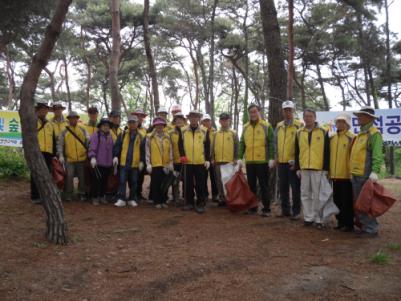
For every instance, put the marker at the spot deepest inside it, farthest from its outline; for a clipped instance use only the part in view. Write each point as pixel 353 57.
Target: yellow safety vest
pixel 311 155
pixel 256 139
pixel 90 129
pixel 59 126
pixel 114 133
pixel 159 152
pixel 174 136
pixel 224 146
pixel 142 131
pixel 359 151
pixel 340 146
pixel 45 136
pixel 285 135
pixel 73 149
pixel 136 151
pixel 194 145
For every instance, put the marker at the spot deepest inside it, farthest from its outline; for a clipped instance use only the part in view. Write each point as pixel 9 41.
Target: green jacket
pixel 375 143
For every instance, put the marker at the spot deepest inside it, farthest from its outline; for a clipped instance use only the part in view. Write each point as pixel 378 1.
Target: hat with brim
pixel 93 110
pixel 73 114
pixel 288 104
pixel 178 115
pixel 344 116
pixel 224 116
pixel 133 118
pixel 162 110
pixel 41 104
pixel 206 117
pixel 58 105
pixel 104 121
pixel 194 113
pixel 159 121
pixel 139 112
pixel 115 114
pixel 366 111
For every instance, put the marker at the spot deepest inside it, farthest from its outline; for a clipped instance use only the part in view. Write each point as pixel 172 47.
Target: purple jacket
pixel 102 150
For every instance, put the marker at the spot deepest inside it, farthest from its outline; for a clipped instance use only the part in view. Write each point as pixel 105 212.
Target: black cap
pixel 224 116
pixel 115 114
pixel 92 110
pixel 103 121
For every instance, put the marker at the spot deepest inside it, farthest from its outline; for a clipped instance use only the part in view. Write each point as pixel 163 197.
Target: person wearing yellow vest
pixel 175 109
pixel 196 162
pixel 178 152
pixel 115 119
pixel 58 121
pixel 312 159
pixel 365 163
pixel 91 125
pixel 128 153
pixel 47 143
pixel 285 134
pixel 257 148
pixel 72 149
pixel 159 161
pixel 224 150
pixel 340 174
pixel 206 122
pixel 142 130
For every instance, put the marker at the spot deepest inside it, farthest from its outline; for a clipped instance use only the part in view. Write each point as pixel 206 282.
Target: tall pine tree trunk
pixel 56 227
pixel 115 56
pixel 290 71
pixel 211 60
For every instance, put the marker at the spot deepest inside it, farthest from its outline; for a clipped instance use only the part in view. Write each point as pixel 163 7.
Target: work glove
pixel 93 162
pixel 272 163
pixel 61 159
pixel 140 166
pixel 291 164
pixel 115 161
pixel 238 166
pixel 184 159
pixel 373 177
pixel 171 167
pixel 298 173
pixel 207 165
pixel 149 169
pixel 166 170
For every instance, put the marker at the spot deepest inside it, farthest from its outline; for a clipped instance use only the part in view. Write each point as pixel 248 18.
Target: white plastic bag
pixel 227 172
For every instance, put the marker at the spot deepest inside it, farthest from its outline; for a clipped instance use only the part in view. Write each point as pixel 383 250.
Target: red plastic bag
pixel 374 199
pixel 58 173
pixel 239 195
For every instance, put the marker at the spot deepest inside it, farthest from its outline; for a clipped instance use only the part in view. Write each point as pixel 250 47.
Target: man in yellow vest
pixel 91 125
pixel 340 146
pixel 196 162
pixel 115 119
pixel 365 163
pixel 206 122
pixel 72 149
pixel 142 130
pixel 128 153
pixel 178 152
pixel 159 161
pixel 257 148
pixel 312 159
pixel 58 121
pixel 47 143
pixel 285 133
pixel 224 151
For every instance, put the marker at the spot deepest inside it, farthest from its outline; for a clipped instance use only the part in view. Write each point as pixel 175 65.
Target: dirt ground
pixel 148 254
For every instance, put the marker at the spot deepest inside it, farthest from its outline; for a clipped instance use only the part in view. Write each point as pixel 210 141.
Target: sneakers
pixel 320 226
pixel 199 209
pixel 103 200
pixel 164 206
pixel 187 207
pixel 364 234
pixel 95 201
pixel 215 199
pixel 132 203
pixel 120 203
pixel 265 213
pixel 158 206
pixel 295 217
pixel 308 224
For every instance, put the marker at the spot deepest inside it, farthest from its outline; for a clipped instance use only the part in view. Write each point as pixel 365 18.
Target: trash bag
pixel 167 182
pixel 112 183
pixel 227 171
pixel 58 173
pixel 327 207
pixel 239 195
pixel 374 199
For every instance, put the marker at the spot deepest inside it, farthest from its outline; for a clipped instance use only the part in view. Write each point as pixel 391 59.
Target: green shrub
pixel 12 163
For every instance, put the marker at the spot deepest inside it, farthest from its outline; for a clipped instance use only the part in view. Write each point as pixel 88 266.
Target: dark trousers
pixel 176 185
pixel 156 179
pixel 212 174
pixel 141 178
pixel 342 195
pixel 99 181
pixel 287 178
pixel 34 189
pixel 194 178
pixel 131 175
pixel 258 173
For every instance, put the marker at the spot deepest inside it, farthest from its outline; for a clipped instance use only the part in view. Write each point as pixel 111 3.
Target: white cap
pixel 344 116
pixel 162 110
pixel 288 104
pixel 175 108
pixel 206 117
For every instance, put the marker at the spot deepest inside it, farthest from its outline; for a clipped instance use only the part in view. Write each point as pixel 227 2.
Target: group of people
pixel 189 150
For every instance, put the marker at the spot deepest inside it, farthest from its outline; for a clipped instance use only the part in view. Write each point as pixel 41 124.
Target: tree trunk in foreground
pixel 56 227
pixel 115 56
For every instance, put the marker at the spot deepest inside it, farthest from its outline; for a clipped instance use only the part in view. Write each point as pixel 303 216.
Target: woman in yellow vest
pixel 224 151
pixel 365 162
pixel 312 158
pixel 159 160
pixel 72 149
pixel 340 174
pixel 58 121
pixel 47 143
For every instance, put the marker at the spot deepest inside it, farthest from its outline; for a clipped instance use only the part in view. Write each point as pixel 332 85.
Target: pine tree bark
pixel 149 56
pixel 290 71
pixel 115 56
pixel 56 226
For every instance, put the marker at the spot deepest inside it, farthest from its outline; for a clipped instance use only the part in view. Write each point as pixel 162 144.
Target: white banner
pixel 388 122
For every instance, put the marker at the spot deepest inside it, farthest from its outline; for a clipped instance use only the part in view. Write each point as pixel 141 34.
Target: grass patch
pixel 380 257
pixel 40 245
pixel 393 246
